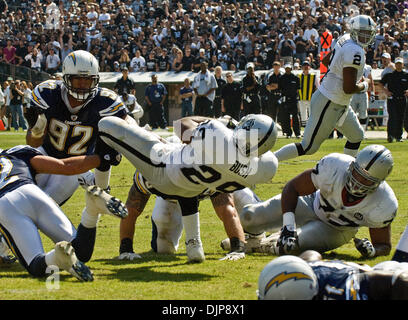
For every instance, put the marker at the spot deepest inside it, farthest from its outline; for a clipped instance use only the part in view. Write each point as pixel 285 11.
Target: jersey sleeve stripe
pixel 112 109
pixel 38 101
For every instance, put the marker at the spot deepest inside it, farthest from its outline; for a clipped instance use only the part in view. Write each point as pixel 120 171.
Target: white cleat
pixel 100 201
pixel 252 242
pixel 68 261
pixel 195 251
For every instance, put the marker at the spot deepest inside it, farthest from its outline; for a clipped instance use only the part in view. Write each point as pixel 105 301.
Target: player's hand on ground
pixel 365 247
pixel 288 241
pixel 129 256
pixel 233 256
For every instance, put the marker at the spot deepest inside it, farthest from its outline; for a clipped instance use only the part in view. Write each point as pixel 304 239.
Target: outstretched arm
pixel 68 166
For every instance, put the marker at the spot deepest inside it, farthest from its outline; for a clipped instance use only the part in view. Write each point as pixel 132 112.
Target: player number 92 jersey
pixel 346 53
pixel 71 133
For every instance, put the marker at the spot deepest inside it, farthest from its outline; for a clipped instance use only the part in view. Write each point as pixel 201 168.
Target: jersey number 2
pixel 5 169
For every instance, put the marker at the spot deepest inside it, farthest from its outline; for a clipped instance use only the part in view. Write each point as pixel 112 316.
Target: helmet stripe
pixel 374 159
pixel 266 135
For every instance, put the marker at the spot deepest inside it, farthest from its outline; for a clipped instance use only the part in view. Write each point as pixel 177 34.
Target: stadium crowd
pixel 169 35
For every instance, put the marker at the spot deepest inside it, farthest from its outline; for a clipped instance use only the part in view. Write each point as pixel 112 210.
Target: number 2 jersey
pixel 375 210
pixel 346 53
pixel 15 168
pixel 72 132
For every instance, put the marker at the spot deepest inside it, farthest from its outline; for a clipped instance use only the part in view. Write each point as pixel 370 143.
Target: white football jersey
pixel 346 53
pixel 376 210
pixel 210 162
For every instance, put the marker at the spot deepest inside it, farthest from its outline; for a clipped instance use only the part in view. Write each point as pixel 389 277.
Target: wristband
pixel 289 220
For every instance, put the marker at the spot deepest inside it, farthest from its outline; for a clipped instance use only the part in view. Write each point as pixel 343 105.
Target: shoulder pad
pixel 43 94
pixel 109 103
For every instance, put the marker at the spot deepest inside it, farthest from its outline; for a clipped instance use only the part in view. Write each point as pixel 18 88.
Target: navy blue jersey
pixel 338 281
pixel 15 168
pixel 72 132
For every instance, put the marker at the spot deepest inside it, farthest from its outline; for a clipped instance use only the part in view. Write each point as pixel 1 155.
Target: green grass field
pixel 170 277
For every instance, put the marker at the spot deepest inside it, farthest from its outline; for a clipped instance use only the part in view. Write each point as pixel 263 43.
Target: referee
pixel 395 85
pixel 307 87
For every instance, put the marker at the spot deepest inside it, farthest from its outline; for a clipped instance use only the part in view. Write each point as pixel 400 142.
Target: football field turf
pixel 170 277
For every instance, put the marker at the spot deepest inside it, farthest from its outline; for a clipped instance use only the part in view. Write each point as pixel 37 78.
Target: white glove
pixel 128 256
pixel 39 128
pixel 233 256
pixel 365 247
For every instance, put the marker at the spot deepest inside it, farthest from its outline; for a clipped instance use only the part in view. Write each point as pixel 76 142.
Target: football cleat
pixel 195 251
pixel 68 261
pixel 252 242
pixel 130 256
pixel 99 201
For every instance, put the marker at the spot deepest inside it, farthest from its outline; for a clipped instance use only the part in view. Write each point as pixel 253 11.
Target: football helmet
pixel 373 163
pixel 287 278
pixel 80 64
pixel 255 134
pixel 362 30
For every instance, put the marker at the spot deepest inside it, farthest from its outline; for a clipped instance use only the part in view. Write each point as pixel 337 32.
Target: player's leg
pixel 323 118
pixel 135 204
pixel 19 224
pixel 167 226
pixel 363 111
pixel 353 131
pixel 139 146
pixel 401 251
pixel 58 187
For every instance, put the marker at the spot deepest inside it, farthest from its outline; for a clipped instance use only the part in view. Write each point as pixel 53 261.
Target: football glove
pixel 233 256
pixel 365 247
pixel 372 98
pixel 109 156
pixel 288 240
pixel 130 256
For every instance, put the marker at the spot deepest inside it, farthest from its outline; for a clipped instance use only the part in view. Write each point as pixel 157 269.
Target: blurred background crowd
pixel 165 35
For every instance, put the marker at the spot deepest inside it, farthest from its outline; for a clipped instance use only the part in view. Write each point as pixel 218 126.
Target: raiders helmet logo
pixel 74 117
pixel 358 216
pixel 248 124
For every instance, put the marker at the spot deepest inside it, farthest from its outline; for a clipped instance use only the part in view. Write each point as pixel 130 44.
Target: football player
pixel 63 119
pixel 329 203
pixel 330 104
pixel 293 278
pixel 25 209
pixel 212 159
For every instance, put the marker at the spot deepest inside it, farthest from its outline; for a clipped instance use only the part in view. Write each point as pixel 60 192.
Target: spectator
pixel 155 94
pixel 204 86
pixel 7 110
pixel 198 61
pixel 250 89
pixel 151 62
pixel 124 83
pixel 187 61
pixel 2 106
pixel 138 63
pixel 240 60
pixel 26 88
pixel 16 106
pixel 220 84
pixel 9 53
pixel 177 64
pixel 163 63
pixel 257 59
pixel 124 60
pixel 35 59
pixel 186 94
pixel 231 98
pixel 53 62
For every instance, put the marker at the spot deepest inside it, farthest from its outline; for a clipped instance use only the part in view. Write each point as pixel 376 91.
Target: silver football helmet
pixel 362 30
pixel 372 166
pixel 255 134
pixel 80 64
pixel 287 278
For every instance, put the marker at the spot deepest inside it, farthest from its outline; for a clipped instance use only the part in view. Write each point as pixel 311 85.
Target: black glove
pixel 109 156
pixel 372 98
pixel 365 247
pixel 288 241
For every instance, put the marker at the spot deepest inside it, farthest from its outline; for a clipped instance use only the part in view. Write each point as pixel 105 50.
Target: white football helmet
pixel 255 134
pixel 373 163
pixel 287 278
pixel 362 30
pixel 81 64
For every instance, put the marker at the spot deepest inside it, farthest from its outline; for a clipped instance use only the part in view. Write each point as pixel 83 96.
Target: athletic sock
pixel 192 226
pixel 287 152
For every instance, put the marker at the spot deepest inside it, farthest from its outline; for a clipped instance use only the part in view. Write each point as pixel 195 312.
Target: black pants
pixel 217 107
pixel 233 109
pixel 272 107
pixel 288 109
pixel 253 107
pixel 203 107
pixel 396 107
pixel 156 114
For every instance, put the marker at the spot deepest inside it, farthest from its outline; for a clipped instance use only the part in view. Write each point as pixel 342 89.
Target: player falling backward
pixel 25 209
pixel 330 104
pixel 213 159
